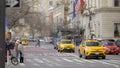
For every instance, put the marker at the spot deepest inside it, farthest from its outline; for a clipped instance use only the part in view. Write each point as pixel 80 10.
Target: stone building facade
pixel 105 20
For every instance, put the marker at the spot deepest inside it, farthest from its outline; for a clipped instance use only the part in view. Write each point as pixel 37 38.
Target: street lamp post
pixel 90 21
pixel 2 35
pixel 90 13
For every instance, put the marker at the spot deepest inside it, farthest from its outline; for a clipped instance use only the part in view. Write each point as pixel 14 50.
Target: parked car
pixel 91 48
pixel 66 45
pixel 24 41
pixel 111 47
pixel 118 43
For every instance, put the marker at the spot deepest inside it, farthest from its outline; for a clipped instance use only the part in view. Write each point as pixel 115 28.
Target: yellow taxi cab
pixel 91 48
pixel 66 45
pixel 24 41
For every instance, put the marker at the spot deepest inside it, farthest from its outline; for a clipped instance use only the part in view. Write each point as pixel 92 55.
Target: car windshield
pixel 66 42
pixel 92 43
pixel 109 43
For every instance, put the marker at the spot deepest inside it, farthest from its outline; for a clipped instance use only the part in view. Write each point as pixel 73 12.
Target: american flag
pixel 74 5
pixel 82 6
pixel 77 7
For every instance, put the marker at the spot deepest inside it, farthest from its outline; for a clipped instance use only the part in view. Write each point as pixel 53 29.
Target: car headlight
pixel 73 46
pixel 107 48
pixel 117 48
pixel 62 45
pixel 103 49
pixel 88 49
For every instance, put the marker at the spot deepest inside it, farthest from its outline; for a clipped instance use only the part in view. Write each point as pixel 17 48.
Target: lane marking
pixel 67 60
pixel 103 62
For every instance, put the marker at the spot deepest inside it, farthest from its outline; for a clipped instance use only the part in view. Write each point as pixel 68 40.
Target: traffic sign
pixel 13 3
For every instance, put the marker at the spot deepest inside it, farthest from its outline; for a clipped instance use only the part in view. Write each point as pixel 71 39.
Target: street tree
pixel 13 14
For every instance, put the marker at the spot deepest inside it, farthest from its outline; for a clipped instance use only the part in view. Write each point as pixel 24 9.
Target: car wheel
pixel 80 55
pixel 84 56
pixel 73 51
pixel 117 53
pixel 54 47
pixel 60 51
pixel 103 57
pixel 96 57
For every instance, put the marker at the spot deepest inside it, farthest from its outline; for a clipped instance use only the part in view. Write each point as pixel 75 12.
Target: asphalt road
pixel 46 57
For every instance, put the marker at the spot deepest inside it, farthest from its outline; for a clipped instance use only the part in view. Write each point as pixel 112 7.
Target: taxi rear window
pixel 66 42
pixel 92 44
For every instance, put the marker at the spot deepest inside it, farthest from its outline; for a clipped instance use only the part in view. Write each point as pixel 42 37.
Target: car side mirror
pixel 102 45
pixel 83 45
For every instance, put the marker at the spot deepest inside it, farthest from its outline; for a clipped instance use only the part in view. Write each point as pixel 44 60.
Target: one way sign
pixel 13 3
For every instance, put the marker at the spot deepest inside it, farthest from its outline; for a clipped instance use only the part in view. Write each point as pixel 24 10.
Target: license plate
pixel 68 48
pixel 112 50
pixel 97 53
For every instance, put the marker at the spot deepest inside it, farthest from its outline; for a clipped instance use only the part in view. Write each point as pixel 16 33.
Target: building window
pixel 117 3
pixel 57 3
pixel 116 30
pixel 50 3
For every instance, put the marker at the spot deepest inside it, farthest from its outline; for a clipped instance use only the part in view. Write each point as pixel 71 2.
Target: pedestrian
pixel 20 52
pixel 16 47
pixel 38 43
pixel 8 46
pixel 8 52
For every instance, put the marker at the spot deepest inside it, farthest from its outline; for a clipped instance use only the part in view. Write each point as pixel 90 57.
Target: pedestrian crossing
pixel 44 57
pixel 52 54
pixel 61 61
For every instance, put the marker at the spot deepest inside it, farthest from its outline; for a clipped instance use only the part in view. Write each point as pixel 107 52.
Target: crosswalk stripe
pixel 112 61
pixel 51 63
pixel 67 60
pixel 117 61
pixel 38 60
pixel 74 55
pixel 30 61
pixel 87 60
pixel 77 60
pixel 111 64
pixel 46 60
pixel 22 64
pixel 56 59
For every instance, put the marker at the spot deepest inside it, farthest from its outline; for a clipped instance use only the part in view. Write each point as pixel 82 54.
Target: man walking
pixel 38 43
